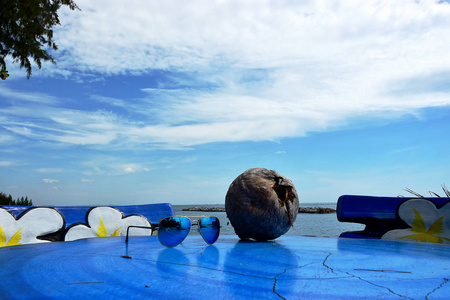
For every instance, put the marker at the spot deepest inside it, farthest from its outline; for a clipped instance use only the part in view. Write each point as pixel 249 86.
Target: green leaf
pixel 26 30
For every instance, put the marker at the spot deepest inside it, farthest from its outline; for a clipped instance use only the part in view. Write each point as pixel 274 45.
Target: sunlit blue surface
pixel 291 267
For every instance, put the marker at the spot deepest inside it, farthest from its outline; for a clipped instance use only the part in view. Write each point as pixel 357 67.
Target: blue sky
pixel 169 101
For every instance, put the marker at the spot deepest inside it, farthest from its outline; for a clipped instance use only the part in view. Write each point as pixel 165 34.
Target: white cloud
pixel 254 70
pixel 133 168
pixel 199 34
pixel 46 180
pixel 85 180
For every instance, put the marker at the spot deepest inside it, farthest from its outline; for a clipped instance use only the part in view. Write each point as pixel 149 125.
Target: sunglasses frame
pixel 156 226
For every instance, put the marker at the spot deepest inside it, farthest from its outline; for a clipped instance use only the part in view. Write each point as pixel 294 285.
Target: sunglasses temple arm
pixel 143 227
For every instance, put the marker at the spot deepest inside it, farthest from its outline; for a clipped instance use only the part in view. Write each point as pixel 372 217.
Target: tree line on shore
pixel 8 200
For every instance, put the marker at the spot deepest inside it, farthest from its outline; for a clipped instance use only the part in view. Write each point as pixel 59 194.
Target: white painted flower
pixel 107 221
pixel 428 223
pixel 30 224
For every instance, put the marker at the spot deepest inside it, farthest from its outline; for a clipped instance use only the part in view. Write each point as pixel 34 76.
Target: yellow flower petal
pixel 116 232
pixel 437 226
pixel 15 239
pixel 2 237
pixel 418 224
pixel 101 232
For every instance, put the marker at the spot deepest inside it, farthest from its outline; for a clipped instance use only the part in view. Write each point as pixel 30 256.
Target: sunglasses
pixel 173 230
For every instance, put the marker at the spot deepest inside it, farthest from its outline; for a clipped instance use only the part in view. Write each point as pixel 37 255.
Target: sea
pixel 326 225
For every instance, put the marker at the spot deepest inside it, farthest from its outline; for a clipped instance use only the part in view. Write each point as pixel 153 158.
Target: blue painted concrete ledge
pixel 291 267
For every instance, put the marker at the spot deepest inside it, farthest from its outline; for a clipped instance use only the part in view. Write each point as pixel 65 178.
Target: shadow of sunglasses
pixel 173 230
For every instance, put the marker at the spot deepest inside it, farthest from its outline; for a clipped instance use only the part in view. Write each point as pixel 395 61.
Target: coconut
pixel 261 204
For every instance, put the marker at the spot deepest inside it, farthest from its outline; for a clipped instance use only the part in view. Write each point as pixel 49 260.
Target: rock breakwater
pixel 205 208
pixel 316 210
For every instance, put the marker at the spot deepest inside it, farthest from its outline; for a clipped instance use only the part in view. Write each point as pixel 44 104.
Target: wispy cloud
pixel 49 181
pixel 109 165
pixel 4 163
pixel 405 149
pixel 49 170
pixel 7 93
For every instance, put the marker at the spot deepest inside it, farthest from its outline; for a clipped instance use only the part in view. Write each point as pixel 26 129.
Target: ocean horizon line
pixel 222 204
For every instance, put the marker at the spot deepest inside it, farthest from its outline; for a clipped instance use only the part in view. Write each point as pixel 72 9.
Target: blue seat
pixel 387 214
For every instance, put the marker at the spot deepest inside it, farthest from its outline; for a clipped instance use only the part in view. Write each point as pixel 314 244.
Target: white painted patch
pixel 428 223
pixel 34 222
pixel 107 221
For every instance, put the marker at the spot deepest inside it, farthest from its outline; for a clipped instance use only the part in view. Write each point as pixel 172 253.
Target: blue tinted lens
pixel 209 228
pixel 173 230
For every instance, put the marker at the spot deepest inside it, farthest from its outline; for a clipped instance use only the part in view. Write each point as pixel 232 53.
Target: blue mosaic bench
pixel 24 224
pixel 397 218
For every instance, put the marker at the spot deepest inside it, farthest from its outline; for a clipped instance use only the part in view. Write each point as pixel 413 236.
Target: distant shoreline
pixel 301 210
